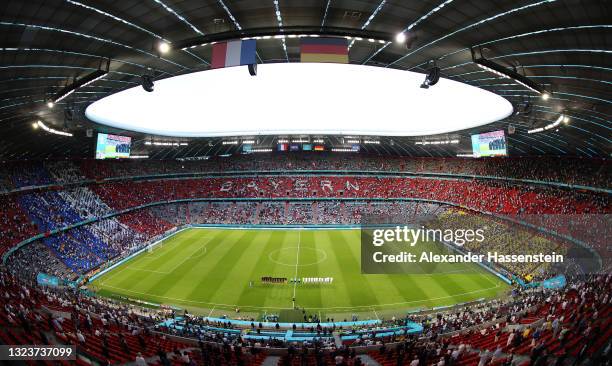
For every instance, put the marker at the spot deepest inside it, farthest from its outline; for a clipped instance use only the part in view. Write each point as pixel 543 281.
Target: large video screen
pixel 113 146
pixel 489 144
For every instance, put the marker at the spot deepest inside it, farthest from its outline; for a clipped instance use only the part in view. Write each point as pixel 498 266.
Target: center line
pixel 297 261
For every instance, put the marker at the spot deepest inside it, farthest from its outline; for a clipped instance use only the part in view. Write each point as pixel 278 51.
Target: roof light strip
pixel 230 15
pixel 325 14
pixel 30 49
pixel 88 7
pixel 545 143
pixel 533 53
pixel 51 130
pixel 337 149
pixel 499 15
pixel 180 17
pixel 548 126
pixel 540 76
pixel 129 24
pixel 65 67
pixel 578 118
pixel 236 24
pixel 520 36
pixel 165 143
pixel 369 20
pixel 541 66
pixel 527 34
pixel 412 25
pixel 78 34
pixel 279 18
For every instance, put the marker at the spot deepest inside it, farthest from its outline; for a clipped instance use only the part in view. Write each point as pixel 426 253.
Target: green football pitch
pixel 214 271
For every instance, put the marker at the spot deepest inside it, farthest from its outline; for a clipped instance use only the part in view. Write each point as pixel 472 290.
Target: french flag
pixel 233 53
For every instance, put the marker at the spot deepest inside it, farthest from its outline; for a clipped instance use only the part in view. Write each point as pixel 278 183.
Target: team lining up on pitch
pixel 283 280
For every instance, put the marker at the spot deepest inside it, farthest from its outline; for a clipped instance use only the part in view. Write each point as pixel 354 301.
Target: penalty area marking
pixel 194 255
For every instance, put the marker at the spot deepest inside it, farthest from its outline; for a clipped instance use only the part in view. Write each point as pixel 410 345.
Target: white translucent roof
pixel 300 98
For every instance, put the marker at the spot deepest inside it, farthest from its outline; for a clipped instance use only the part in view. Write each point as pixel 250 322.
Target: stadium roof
pixel 563 46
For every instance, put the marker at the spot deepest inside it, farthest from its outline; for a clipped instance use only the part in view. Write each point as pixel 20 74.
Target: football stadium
pixel 305 183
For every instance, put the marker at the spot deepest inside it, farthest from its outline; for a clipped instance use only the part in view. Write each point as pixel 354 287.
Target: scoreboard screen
pixel 113 146
pixel 489 144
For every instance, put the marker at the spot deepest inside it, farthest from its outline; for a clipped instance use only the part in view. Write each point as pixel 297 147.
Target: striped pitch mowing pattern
pixel 208 271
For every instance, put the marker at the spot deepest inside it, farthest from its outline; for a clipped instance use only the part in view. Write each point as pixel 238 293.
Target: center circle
pixel 321 255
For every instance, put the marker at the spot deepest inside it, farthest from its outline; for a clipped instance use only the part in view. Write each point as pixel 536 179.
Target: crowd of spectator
pixel 296 213
pixel 494 197
pixel 587 172
pixel 506 239
pixel 531 327
pixel 86 247
pixel 15 225
pixel 37 258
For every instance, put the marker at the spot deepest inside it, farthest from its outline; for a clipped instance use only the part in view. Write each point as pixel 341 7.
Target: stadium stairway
pixel 271 361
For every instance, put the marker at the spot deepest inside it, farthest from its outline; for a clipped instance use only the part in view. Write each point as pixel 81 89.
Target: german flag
pixel 322 49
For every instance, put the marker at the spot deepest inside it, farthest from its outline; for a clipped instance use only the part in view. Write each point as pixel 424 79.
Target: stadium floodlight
pixel 163 47
pixel 432 78
pixel 252 69
pixel 400 37
pixel 146 81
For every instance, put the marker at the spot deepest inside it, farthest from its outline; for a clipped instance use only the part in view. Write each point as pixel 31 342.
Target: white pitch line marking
pixel 364 307
pixel 193 255
pixel 146 270
pixel 297 262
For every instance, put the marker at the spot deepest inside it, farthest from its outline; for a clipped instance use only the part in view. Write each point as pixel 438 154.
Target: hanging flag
pixel 322 49
pixel 233 53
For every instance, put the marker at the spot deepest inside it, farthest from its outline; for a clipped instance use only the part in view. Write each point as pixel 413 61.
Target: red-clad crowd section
pixel 494 197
